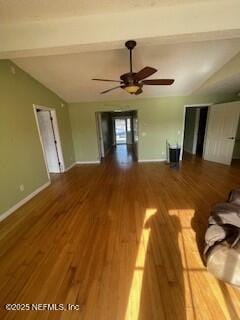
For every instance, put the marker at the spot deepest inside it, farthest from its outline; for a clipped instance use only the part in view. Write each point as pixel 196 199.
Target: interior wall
pixel 21 160
pixel 107 131
pixel 190 132
pixel 158 119
pixel 236 150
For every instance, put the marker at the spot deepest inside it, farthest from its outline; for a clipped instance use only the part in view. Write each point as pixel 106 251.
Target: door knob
pixel 231 138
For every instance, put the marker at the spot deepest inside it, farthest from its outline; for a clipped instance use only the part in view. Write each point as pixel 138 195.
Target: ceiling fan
pixel 133 82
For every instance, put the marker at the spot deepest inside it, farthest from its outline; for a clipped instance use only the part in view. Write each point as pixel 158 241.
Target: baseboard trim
pixel 70 167
pixel 88 162
pixel 81 162
pixel 7 213
pixel 152 160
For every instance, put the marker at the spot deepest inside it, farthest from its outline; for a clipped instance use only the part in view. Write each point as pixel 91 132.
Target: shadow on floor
pixel 162 279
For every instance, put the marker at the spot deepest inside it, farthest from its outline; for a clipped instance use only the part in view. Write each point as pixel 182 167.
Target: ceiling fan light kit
pixel 132 89
pixel 132 82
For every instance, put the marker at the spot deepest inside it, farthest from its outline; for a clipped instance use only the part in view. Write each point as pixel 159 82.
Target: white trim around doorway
pixel 208 104
pixel 57 136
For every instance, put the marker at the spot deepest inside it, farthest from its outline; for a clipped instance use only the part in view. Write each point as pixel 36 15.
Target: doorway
pixel 46 120
pixel 203 112
pixel 123 130
pixel 195 130
pixel 116 129
pixel 236 149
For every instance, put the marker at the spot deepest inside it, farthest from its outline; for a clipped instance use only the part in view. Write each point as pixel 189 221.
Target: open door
pixel 221 132
pixel 50 139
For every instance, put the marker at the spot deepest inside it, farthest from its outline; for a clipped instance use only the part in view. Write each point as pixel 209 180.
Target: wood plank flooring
pixel 120 239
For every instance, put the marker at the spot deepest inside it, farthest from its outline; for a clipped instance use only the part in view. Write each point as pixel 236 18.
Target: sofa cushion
pixel 224 263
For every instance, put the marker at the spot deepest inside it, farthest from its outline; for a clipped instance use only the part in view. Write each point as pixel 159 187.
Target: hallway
pixel 121 240
pixel 121 154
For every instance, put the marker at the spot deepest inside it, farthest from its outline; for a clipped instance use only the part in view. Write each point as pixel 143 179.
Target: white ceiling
pixel 228 86
pixel 190 64
pixel 37 10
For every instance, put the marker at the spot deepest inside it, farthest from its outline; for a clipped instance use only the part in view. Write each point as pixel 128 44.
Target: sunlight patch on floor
pixel 134 299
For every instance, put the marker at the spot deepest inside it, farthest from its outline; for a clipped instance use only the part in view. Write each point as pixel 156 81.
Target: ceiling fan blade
pixel 107 80
pixel 158 82
pixel 110 89
pixel 144 73
pixel 139 91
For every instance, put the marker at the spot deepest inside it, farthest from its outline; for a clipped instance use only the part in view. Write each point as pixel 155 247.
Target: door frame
pixel 196 105
pixel 57 137
pixel 119 116
pixel 100 143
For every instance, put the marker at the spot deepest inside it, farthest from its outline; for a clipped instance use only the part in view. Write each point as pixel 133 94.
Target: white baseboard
pixel 152 160
pixel 70 167
pixel 88 162
pixel 81 162
pixel 7 213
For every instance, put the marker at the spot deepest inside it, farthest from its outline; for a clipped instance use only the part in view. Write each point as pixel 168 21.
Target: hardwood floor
pixel 122 240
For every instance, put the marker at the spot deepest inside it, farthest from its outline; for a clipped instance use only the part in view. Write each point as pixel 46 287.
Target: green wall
pixel 159 119
pixel 21 158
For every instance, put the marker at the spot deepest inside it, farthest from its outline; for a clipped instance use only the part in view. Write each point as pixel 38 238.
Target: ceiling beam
pixel 170 24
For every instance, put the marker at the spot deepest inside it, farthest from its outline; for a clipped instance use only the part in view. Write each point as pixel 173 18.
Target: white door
pixel 221 132
pixel 48 140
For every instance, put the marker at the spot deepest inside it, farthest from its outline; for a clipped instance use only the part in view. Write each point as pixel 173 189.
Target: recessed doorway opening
pixel 195 130
pixel 115 129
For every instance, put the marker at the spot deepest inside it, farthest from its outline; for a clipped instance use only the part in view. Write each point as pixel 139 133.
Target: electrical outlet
pixel 21 187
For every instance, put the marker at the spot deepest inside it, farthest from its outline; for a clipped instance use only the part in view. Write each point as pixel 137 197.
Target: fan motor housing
pixel 128 78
